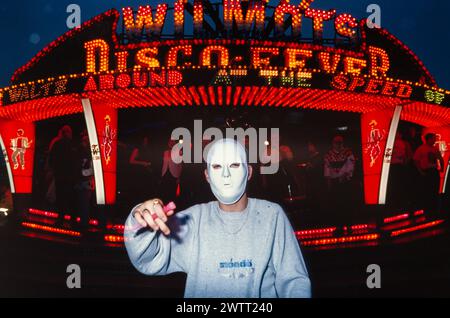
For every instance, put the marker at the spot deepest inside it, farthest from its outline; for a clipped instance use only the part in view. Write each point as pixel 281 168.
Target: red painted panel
pixel 106 126
pixel 374 132
pixel 19 140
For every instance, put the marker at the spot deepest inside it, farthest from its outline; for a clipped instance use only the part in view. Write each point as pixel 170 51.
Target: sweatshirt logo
pixel 236 269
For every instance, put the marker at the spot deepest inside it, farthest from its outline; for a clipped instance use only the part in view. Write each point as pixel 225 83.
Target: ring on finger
pixel 153 215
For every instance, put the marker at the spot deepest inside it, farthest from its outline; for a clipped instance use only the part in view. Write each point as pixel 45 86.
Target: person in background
pixel 50 194
pixel 63 162
pixel 339 166
pixel 58 136
pixel 413 137
pixel 85 184
pixel 6 200
pixel 339 163
pixel 429 162
pixel 289 172
pixel 170 173
pixel 283 186
pixel 142 170
pixel 141 156
pixel 314 169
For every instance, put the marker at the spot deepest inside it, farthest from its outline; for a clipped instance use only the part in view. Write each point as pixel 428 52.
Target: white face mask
pixel 227 170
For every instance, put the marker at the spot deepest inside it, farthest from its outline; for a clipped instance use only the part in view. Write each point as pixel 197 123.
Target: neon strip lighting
pixel 420 220
pixel 444 188
pixel 361 231
pixel 53 215
pixel 396 218
pixel 40 220
pixel 116 227
pixel 416 228
pixel 114 238
pixel 339 240
pixel 359 227
pixel 419 212
pixel 387 159
pixel 317 236
pixel 50 229
pixel 315 231
pixel 400 225
pixel 8 166
pixel 93 139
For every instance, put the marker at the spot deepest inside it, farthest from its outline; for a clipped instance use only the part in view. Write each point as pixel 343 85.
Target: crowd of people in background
pixel 325 180
pixel 330 184
pixel 322 183
pixel 415 171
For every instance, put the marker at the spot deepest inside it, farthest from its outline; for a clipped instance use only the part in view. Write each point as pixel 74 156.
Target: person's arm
pixel 153 253
pixel 134 161
pixel 291 275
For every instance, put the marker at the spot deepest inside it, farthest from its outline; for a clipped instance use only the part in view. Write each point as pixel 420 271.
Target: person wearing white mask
pixel 233 247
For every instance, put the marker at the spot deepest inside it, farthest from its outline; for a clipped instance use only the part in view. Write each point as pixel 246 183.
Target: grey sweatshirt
pixel 248 254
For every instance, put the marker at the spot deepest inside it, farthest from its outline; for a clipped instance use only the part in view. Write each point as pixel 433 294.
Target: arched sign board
pixel 92 58
pixel 246 53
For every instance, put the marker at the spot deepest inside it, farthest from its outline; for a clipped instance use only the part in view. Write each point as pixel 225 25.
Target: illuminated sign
pixel 101 59
pixel 17 143
pixel 301 57
pixel 109 134
pixel 37 90
pixel 135 79
pixel 230 64
pixel 237 19
pixel 19 146
pixel 101 123
pixel 373 146
pixel 164 65
pixel 433 96
pixel 372 86
pixel 375 130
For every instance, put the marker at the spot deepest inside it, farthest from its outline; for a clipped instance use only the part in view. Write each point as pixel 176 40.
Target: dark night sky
pixel 27 26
